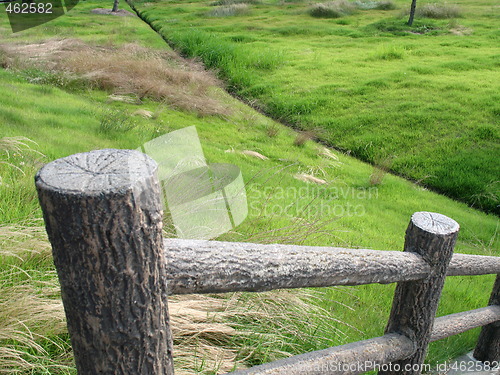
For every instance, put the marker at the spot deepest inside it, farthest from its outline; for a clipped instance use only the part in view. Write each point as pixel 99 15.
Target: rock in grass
pixel 143 113
pixel 254 154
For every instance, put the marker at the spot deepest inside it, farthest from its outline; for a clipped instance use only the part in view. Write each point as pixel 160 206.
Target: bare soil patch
pixel 119 12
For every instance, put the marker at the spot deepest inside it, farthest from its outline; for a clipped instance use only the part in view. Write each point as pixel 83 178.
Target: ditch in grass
pixel 282 209
pixel 322 73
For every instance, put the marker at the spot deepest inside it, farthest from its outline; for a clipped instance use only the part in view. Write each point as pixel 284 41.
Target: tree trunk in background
pixel 115 6
pixel 412 12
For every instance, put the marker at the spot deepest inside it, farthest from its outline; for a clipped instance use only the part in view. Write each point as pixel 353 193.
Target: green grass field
pixel 65 113
pixel 424 100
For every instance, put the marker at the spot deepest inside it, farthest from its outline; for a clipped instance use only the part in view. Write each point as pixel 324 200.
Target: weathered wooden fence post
pixel 488 344
pixel 433 237
pixel 103 216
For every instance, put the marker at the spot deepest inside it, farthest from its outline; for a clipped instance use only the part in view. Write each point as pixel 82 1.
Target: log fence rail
pixel 103 216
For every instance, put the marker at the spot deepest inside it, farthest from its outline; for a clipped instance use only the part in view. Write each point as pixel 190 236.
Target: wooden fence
pixel 103 215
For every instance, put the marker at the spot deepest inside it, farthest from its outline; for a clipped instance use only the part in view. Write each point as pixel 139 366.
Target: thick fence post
pixel 488 344
pixel 432 236
pixel 103 215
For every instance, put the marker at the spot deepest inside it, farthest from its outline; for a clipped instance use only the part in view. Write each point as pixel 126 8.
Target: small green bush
pixel 438 11
pixel 332 9
pixel 389 52
pixel 400 27
pixel 115 121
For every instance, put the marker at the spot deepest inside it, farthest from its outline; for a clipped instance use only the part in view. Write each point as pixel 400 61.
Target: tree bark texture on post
pixel 103 216
pixel 488 344
pixel 433 237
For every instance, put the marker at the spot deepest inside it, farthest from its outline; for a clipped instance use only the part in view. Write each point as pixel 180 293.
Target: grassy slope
pixel 353 215
pixel 428 102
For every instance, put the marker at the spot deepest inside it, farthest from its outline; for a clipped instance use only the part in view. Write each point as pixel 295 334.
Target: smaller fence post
pixel 103 216
pixel 488 344
pixel 433 237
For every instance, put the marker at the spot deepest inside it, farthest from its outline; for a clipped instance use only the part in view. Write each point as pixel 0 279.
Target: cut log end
pixel 96 172
pixel 435 223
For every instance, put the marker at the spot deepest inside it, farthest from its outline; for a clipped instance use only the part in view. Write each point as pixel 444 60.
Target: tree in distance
pixel 412 12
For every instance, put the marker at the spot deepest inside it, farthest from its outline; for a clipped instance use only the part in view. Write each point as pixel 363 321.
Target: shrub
pixel 386 5
pixel 381 167
pixel 229 10
pixel 129 71
pixel 303 137
pixel 272 130
pixel 332 9
pixel 231 2
pixel 115 122
pixel 400 27
pixel 381 5
pixel 438 11
pixel 389 52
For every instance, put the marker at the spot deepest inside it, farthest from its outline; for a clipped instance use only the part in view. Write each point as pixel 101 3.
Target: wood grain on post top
pixel 103 215
pixel 96 172
pixel 435 223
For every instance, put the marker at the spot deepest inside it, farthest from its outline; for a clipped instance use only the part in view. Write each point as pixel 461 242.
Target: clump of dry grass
pixel 143 113
pixel 251 153
pixel 230 2
pixel 29 314
pixel 18 150
pixel 254 154
pixel 327 153
pixel 211 333
pixel 303 136
pixel 24 241
pixel 217 333
pixel 305 177
pixel 135 70
pixel 126 70
pixel 369 4
pixel 272 130
pixel 30 310
pixel 229 10
pixel 438 11
pixel 332 9
pixel 381 167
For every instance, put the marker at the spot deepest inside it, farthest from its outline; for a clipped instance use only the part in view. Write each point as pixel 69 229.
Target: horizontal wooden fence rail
pixel 103 216
pixel 363 356
pixel 453 324
pixel 221 267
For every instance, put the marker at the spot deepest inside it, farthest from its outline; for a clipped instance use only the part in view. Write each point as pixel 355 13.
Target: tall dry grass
pixel 126 70
pixel 229 10
pixel 31 314
pixel 438 11
pixel 15 149
pixel 212 334
pixel 332 9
